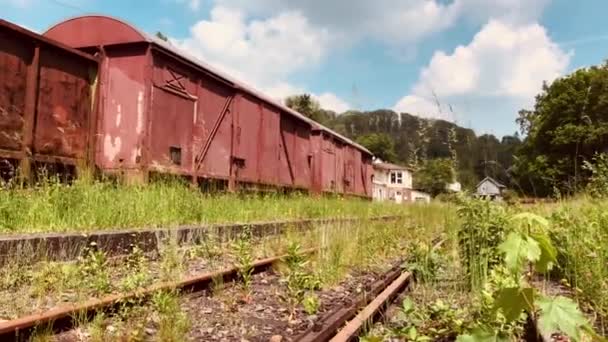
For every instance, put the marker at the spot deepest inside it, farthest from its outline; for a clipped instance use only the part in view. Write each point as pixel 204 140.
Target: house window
pixel 396 178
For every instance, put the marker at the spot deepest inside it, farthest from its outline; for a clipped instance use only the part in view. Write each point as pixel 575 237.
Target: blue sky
pixel 481 60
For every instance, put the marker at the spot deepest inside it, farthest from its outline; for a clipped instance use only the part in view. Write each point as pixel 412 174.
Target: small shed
pixel 490 188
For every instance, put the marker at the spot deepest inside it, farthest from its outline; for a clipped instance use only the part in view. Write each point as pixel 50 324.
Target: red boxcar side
pixel 201 123
pixel 47 101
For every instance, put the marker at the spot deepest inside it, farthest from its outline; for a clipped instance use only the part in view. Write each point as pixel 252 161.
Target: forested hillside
pixel 411 140
pixel 565 146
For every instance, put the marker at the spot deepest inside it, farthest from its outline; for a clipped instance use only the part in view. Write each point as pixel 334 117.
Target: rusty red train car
pixel 162 111
pixel 47 102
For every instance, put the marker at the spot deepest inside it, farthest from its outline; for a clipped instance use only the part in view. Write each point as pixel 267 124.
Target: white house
pixel 490 188
pixel 454 187
pixel 394 183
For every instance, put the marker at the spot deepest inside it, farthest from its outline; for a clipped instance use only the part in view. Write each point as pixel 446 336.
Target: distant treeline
pixel 564 136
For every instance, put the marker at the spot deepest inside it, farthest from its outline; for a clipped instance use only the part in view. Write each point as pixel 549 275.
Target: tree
pixel 568 125
pixel 434 175
pixel 305 104
pixel 380 144
pixel 161 36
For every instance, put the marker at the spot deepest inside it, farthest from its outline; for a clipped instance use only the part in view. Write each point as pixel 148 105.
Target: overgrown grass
pixel 90 205
pixel 580 233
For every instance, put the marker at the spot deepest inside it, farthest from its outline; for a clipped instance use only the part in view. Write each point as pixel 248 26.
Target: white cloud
pixel 332 102
pixel 394 21
pixel 262 53
pixel 503 61
pixel 262 50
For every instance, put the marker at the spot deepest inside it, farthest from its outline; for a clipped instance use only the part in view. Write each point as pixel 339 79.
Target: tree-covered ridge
pixel 411 140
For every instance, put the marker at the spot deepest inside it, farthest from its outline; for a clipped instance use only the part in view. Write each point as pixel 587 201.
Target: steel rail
pixel 352 329
pixel 62 318
pixel 364 309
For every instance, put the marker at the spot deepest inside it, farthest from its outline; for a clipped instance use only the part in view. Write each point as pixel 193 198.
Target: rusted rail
pixel 345 323
pixel 69 246
pixel 62 318
pixel 352 329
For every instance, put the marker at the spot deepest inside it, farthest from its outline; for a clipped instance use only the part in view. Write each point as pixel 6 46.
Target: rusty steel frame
pixel 63 317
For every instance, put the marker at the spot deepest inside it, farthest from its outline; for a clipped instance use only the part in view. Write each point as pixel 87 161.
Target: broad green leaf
pixel 412 333
pixel 531 220
pixel 560 314
pixel 371 339
pixel 517 249
pixel 481 335
pixel 548 253
pixel 513 301
pixel 407 306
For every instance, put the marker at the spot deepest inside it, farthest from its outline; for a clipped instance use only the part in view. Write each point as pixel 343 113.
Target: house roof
pixel 143 36
pixel 492 180
pixel 389 166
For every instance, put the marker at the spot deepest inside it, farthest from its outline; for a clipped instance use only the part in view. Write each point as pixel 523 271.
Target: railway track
pixel 70 246
pixel 351 316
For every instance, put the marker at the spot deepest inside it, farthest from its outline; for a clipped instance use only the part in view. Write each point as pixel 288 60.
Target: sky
pixel 473 62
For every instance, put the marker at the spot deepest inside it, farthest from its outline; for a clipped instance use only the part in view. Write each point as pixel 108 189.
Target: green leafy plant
pixel 423 260
pixel 137 271
pixel 529 244
pixel 434 321
pixel 311 304
pixel 484 225
pixel 244 261
pixel 173 324
pixel 94 271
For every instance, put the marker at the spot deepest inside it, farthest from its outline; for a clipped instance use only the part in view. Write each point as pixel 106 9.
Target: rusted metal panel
pixel 269 142
pixel 302 156
pixel 215 108
pixel 172 120
pixel 329 175
pixel 15 56
pixel 47 99
pixel 247 129
pixel 64 105
pixel 123 123
pixel 94 30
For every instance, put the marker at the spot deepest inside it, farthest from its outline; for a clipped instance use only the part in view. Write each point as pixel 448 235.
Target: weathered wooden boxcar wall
pixel 47 99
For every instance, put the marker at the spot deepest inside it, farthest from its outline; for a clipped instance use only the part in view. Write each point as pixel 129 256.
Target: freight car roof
pixel 238 84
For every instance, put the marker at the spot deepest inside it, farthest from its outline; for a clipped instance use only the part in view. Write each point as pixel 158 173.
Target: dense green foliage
pixel 433 175
pixel 307 105
pixel 380 144
pixel 568 126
